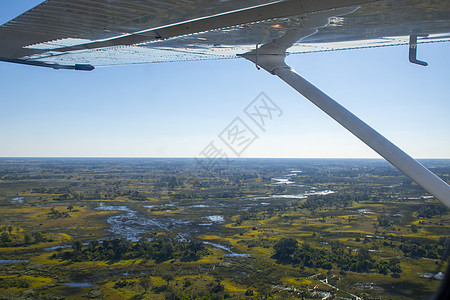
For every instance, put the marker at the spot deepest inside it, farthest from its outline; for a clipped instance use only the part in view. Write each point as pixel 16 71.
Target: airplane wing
pixel 83 34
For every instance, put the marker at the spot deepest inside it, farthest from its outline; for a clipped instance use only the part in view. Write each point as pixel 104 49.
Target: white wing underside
pixel 106 33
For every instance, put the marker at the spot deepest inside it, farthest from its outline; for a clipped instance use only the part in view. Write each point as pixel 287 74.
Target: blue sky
pixel 177 109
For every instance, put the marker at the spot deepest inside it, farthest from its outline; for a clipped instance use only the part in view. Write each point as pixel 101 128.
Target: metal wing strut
pixel 271 57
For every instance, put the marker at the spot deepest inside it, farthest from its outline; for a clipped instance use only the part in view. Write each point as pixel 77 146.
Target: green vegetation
pixel 7 283
pixel 166 229
pixel 431 210
pixel 119 249
pixel 288 251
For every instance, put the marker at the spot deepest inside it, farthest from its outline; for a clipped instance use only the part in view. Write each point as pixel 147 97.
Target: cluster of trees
pixel 417 249
pixel 384 221
pixel 120 249
pixel 56 214
pixel 180 290
pixel 138 196
pixel 14 282
pixel 287 250
pixel 7 239
pixel 247 215
pixel 430 210
pixel 337 200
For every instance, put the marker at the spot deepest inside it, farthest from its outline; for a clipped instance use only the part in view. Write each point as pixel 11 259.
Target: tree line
pixel 288 251
pixel 336 200
pixel 120 249
pixel 19 239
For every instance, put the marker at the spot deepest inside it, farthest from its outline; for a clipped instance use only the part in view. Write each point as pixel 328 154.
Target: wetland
pixel 167 228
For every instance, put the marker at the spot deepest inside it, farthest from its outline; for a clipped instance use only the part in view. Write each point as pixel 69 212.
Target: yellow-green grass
pixel 57 239
pixel 34 281
pixel 44 258
pixel 166 212
pixel 298 282
pixel 233 287
pixel 109 292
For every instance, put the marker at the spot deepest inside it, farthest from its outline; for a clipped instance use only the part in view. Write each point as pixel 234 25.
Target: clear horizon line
pixel 191 157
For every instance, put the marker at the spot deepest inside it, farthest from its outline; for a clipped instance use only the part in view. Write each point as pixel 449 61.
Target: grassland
pixel 240 214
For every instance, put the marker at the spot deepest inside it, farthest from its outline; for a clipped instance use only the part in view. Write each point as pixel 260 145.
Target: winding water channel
pixel 132 225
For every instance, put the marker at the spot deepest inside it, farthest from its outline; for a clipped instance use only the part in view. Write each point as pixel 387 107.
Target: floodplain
pixel 253 229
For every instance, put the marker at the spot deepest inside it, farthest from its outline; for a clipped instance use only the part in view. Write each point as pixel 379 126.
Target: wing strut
pixel 271 57
pixel 413 50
